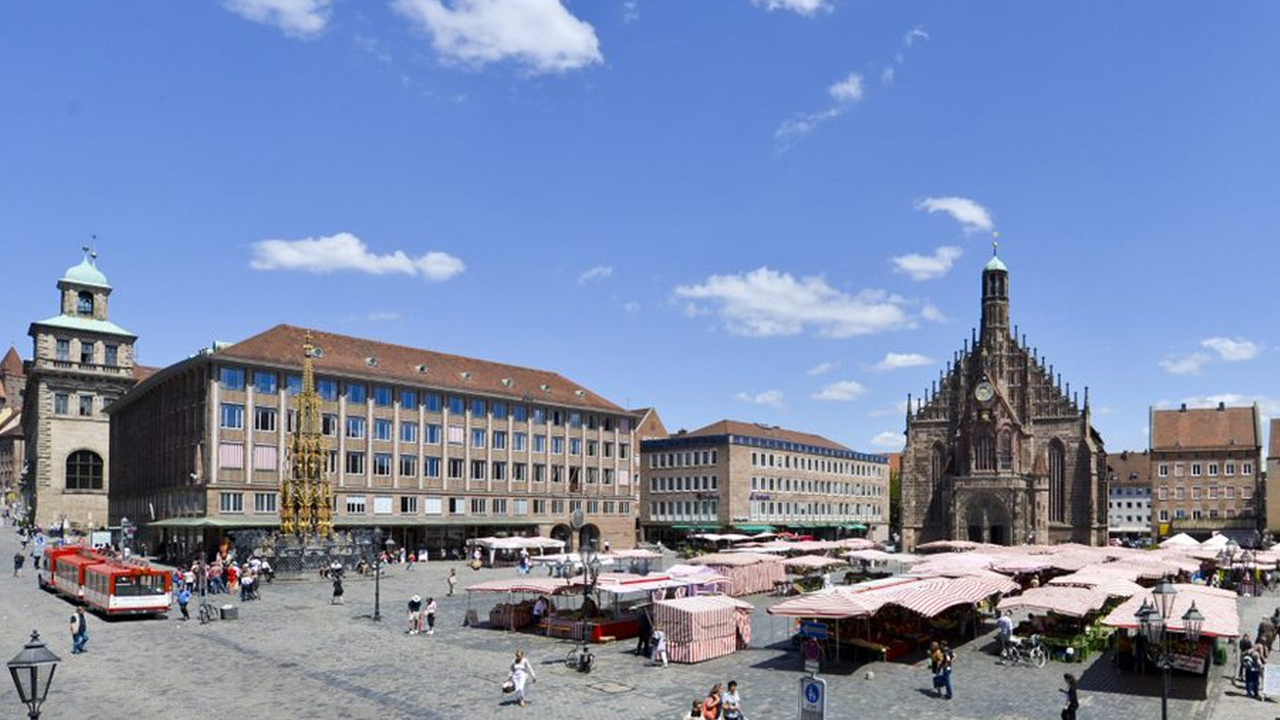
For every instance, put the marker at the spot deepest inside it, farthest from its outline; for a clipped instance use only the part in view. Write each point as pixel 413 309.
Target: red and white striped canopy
pixel 813 562
pixel 1061 599
pixel 1221 616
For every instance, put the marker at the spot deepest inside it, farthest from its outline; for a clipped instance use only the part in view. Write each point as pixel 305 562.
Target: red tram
pixel 109 586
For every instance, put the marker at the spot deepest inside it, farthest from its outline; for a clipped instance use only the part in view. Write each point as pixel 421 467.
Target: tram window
pixel 126 586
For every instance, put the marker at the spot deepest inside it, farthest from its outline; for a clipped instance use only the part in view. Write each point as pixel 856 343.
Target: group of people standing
pixel 1254 654
pixel 422 615
pixel 651 642
pixel 721 703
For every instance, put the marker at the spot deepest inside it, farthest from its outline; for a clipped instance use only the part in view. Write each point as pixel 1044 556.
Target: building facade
pixel 1273 471
pixel 741 477
pixel 81 361
pixel 13 385
pixel 1129 496
pixel 436 448
pixel 1207 472
pixel 998 450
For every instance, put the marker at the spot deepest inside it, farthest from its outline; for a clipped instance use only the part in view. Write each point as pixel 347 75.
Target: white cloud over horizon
pixel 772 398
pixel 891 440
pixel 897 361
pixel 971 216
pixel 769 303
pixel 1192 364
pixel 540 35
pixel 807 8
pixel 303 19
pixel 822 368
pixel 1267 405
pixel 1231 349
pixel 345 251
pixel 847 90
pixel 599 272
pixel 927 267
pixel 842 391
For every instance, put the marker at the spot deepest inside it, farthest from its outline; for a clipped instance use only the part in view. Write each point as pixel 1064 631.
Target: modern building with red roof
pixel 436 448
pixel 733 476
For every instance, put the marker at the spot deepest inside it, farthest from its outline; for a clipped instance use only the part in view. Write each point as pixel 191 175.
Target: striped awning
pixel 1221 616
pixel 1066 600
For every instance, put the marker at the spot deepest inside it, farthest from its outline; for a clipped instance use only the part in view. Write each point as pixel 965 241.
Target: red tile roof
pixel 142 372
pixel 385 362
pixel 1205 428
pixel 12 363
pixel 771 432
pixel 1130 468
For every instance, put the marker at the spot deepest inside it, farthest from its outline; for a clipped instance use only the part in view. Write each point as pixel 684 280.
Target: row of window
pixel 84 404
pixel 88 352
pixel 687 510
pixel 265 502
pixel 683 484
pixel 818 487
pixel 1212 493
pixel 265 419
pixel 777 510
pixel 234 379
pixel 1127 504
pixel 1197 469
pixel 1132 518
pixel 688 458
pixel 266 458
pixel 1211 514
pixel 792 462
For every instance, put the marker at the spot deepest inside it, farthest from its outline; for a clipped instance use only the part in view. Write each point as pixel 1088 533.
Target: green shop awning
pixel 216 522
pixel 695 528
pixel 858 527
pixel 754 528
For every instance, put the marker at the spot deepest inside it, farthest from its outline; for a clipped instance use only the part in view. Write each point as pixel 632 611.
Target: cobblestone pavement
pixel 292 655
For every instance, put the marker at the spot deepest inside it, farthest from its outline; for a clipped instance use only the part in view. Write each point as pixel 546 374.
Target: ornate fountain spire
pixel 305 496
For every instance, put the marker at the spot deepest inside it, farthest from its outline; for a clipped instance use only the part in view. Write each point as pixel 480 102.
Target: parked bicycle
pixel 1024 650
pixel 581 659
pixel 205 613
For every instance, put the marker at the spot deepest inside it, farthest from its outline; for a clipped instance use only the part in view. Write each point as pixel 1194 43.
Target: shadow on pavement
pixel 1103 677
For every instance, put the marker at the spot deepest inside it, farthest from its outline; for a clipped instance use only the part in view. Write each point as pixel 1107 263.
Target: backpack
pixel 1250 663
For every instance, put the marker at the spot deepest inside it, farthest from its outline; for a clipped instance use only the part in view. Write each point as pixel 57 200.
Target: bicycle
pixel 1024 650
pixel 580 659
pixel 205 613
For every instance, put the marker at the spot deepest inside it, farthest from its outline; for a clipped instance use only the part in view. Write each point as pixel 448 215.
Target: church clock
pixel 984 392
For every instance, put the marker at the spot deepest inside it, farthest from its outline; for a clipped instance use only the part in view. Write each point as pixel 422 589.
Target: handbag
pixel 509 686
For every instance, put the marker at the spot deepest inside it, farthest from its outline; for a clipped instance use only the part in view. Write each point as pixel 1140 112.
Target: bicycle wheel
pixel 1038 657
pixel 571 660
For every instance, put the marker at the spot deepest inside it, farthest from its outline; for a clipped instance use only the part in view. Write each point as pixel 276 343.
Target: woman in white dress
pixel 521 673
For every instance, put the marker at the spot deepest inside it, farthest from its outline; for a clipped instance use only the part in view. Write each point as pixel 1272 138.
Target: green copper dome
pixel 86 273
pixel 996 264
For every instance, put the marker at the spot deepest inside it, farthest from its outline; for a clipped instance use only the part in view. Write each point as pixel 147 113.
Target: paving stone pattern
pixel 292 655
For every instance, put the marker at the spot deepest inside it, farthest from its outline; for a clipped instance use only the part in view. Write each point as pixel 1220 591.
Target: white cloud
pixel 296 18
pixel 630 11
pixel 1231 349
pixel 1267 405
pixel 382 316
pixel 767 303
pixel 971 216
pixel 801 124
pixel 772 398
pixel 599 272
pixel 928 267
pixel 541 35
pixel 887 75
pixel 892 440
pixel 345 251
pixel 932 313
pixel 1192 364
pixel 807 8
pixel 848 90
pixel 913 35
pixel 822 368
pixel 897 361
pixel 843 391
pixel 632 307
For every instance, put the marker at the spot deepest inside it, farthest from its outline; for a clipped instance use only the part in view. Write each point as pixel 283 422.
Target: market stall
pixel 749 573
pixel 521 595
pixel 1221 621
pixel 507 550
pixel 702 628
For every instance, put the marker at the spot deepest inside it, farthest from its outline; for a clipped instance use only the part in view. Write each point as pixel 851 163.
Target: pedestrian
pixel 606 546
pixel 410 560
pixel 1251 663
pixel 711 703
pixel 695 713
pixel 935 666
pixel 1245 645
pixel 521 674
pixel 730 704
pixel 184 597
pixel 1266 633
pixel 415 614
pixel 431 616
pixel 659 647
pixel 643 645
pixel 948 660
pixel 79 632
pixel 18 560
pixel 453 580
pixel 1005 624
pixel 1073 697
pixel 337 591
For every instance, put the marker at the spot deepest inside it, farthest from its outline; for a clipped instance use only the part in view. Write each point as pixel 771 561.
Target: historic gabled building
pixel 998 451
pixel 80 363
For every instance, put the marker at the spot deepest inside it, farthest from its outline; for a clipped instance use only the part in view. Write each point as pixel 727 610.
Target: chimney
pixel 1222 406
pixel 1183 408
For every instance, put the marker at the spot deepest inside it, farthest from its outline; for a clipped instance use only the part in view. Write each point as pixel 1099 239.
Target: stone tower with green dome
pixel 81 362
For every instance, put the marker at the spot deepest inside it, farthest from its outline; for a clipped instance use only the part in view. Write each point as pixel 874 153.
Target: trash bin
pixel 230 612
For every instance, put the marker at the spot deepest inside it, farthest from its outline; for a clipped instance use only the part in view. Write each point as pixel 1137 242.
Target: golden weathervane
pixel 305 497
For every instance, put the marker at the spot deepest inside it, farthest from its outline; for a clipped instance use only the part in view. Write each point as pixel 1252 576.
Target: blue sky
pixel 722 209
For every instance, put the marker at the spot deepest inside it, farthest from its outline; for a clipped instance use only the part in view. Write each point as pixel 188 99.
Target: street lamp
pixel 32 670
pixel 389 546
pixel 1153 620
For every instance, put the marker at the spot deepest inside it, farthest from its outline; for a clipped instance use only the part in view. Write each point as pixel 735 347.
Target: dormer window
pixel 84 303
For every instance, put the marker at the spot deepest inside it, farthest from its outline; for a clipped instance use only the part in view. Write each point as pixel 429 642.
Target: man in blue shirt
pixel 79 632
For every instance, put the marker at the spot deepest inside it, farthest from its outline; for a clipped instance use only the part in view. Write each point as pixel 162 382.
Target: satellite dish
pixel 577 520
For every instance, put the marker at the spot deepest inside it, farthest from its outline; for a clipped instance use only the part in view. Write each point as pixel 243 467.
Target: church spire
pixel 995 296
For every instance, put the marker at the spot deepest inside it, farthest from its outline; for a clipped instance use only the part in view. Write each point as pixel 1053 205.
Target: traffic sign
pixel 812 654
pixel 40 540
pixel 813 699
pixel 815 630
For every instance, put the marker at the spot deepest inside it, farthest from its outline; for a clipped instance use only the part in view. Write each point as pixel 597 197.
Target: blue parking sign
pixel 813 699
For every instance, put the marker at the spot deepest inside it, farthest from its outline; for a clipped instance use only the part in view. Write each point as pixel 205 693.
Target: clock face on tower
pixel 984 392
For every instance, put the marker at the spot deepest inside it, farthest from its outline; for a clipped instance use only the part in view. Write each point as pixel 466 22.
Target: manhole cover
pixel 612 688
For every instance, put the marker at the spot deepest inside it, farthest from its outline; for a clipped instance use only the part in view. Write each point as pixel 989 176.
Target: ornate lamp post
pixel 1153 620
pixel 389 545
pixel 32 670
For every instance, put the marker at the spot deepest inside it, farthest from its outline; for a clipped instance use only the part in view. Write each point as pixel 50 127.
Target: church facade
pixel 998 450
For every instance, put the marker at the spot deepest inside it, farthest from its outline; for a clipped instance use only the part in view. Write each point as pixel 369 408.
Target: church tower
pixel 998 451
pixel 81 362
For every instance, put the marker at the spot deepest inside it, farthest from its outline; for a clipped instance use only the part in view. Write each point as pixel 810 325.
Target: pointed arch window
pixel 984 452
pixel 1057 481
pixel 937 468
pixel 1005 450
